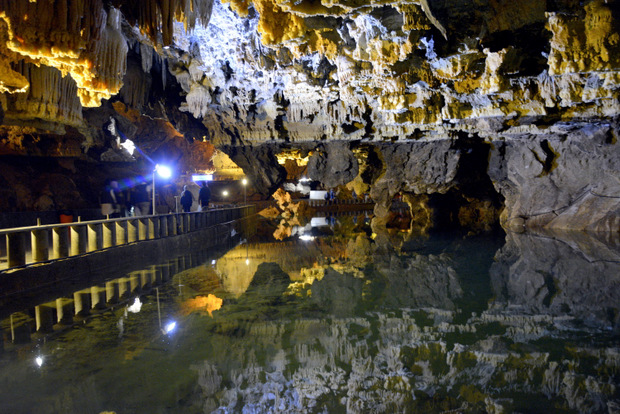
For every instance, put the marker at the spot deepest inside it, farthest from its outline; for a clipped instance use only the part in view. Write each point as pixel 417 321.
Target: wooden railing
pixel 81 237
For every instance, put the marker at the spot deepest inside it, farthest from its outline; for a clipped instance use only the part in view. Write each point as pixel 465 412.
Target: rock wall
pixel 565 177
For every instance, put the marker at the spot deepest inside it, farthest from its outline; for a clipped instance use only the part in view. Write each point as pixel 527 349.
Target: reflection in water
pixel 207 303
pixel 575 280
pixel 348 321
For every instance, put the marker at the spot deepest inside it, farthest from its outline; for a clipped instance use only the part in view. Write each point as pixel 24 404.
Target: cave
pixel 471 147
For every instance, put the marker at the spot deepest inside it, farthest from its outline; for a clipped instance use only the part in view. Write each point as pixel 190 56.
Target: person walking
pixel 121 203
pixel 187 199
pixel 108 201
pixel 204 195
pixel 140 199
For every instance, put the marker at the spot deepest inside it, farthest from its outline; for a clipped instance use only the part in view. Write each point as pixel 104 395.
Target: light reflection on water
pixel 343 321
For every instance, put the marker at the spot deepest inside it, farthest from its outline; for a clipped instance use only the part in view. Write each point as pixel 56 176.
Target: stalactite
pixel 59 33
pixel 156 18
pixel 79 38
pixel 135 91
pixel 51 97
pixel 146 55
pixel 109 58
pixel 72 36
pixel 198 100
pixel 201 13
pixel 10 80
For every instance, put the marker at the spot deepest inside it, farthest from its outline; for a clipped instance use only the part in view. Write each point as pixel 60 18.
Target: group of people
pixel 117 202
pixel 135 201
pixel 204 196
pixel 331 196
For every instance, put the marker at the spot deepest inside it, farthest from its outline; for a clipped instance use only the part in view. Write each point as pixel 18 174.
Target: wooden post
pixel 60 242
pixel 95 237
pixel 16 249
pixel 40 245
pixel 121 233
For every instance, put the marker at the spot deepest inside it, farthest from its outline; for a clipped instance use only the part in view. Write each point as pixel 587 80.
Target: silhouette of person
pixel 108 200
pixel 204 195
pixel 187 199
pixel 140 199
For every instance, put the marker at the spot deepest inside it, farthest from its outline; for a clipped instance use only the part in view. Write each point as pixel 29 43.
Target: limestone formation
pixel 564 178
pixel 333 164
pixel 536 82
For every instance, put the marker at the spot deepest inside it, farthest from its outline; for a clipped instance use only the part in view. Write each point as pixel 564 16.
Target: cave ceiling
pixel 306 71
pixel 292 75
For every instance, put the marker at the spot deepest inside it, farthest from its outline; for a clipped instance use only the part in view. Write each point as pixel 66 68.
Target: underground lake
pixel 328 317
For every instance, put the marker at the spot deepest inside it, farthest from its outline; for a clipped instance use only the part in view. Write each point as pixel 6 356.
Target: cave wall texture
pixel 510 104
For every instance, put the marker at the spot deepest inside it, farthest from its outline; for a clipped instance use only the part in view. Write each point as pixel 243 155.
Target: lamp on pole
pixel 164 172
pixel 245 183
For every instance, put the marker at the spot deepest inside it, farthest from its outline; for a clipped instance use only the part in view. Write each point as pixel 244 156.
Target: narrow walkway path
pixel 36 244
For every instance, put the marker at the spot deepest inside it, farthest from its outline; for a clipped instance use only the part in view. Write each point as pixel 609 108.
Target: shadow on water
pixel 336 318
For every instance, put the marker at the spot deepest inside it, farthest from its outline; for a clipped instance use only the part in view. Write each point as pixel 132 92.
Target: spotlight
pixel 163 172
pixel 170 327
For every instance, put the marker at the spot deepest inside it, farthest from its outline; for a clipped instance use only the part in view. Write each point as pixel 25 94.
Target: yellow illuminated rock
pixel 239 6
pixel 325 43
pixel 414 17
pixel 49 98
pixel 225 167
pixel 11 81
pixel 581 45
pixel 276 25
pixel 207 303
pixel 90 50
pixel 82 40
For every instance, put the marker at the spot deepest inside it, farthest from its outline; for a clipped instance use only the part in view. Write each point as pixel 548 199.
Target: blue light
pixel 202 177
pixel 170 327
pixel 163 171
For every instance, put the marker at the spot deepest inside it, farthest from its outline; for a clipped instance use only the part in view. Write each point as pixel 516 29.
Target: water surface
pixel 332 318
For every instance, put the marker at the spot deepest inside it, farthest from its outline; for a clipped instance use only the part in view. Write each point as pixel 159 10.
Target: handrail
pixel 108 220
pixel 80 237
